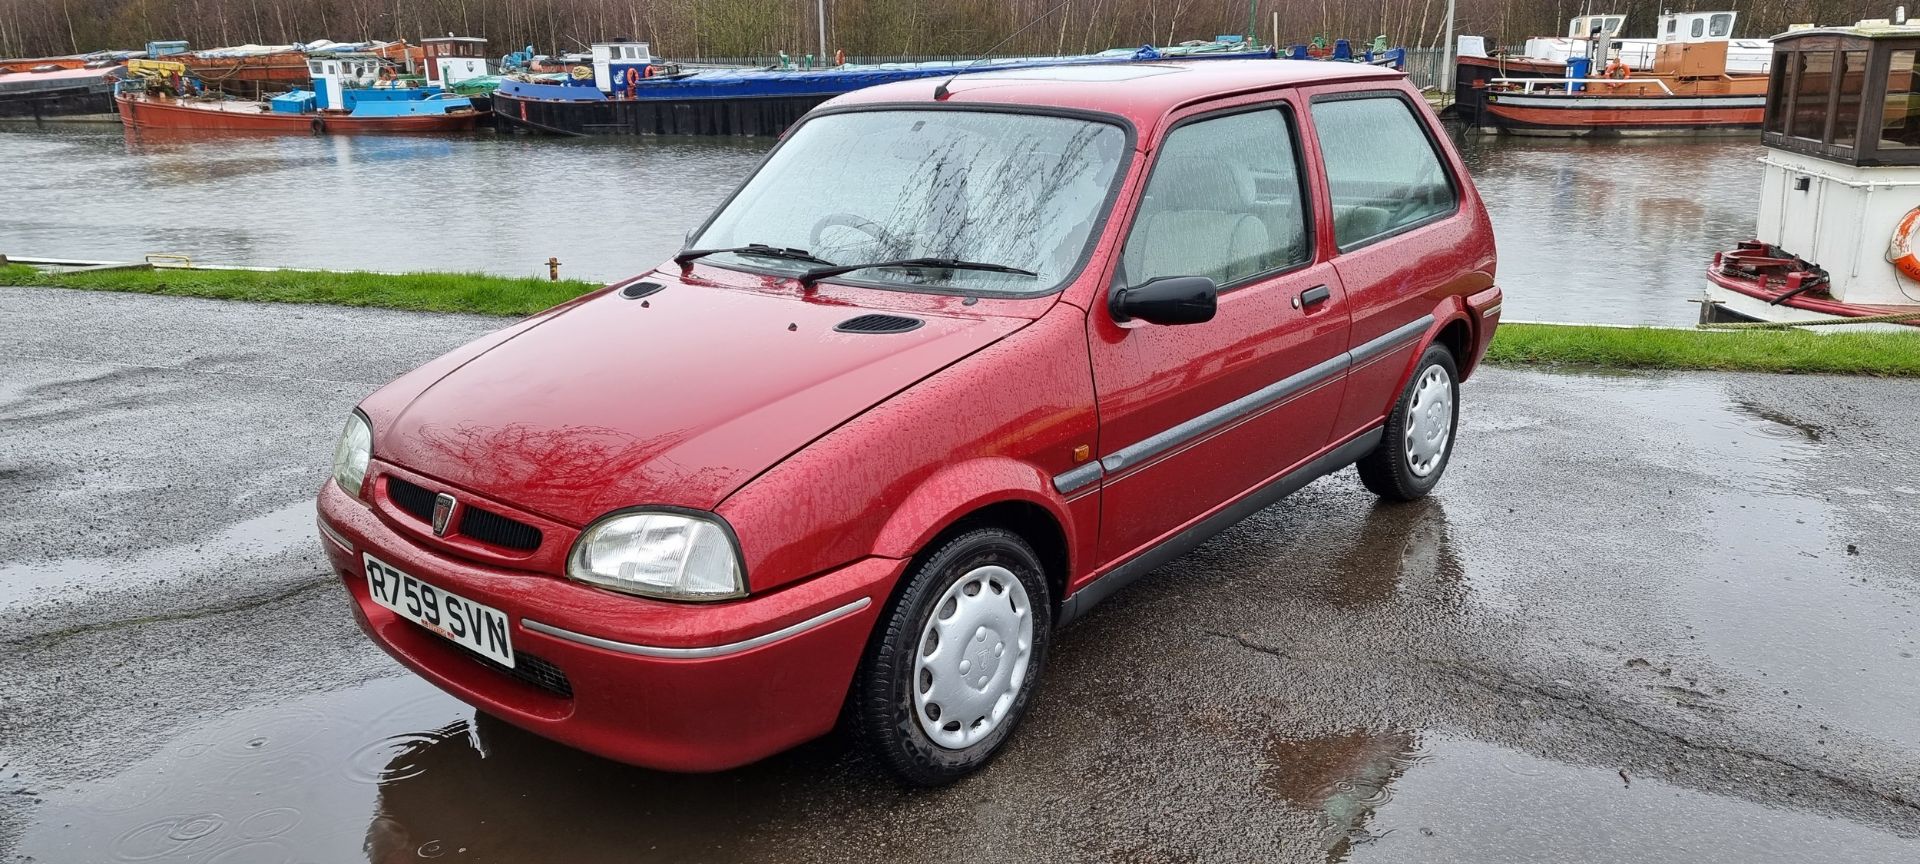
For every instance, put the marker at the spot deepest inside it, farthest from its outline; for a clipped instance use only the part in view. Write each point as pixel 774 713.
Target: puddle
pixel 1728 554
pixel 34 583
pixel 1773 594
pixel 394 770
pixel 1398 551
pixel 1405 796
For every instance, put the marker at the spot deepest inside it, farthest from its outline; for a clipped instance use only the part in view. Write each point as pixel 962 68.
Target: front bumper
pixel 673 686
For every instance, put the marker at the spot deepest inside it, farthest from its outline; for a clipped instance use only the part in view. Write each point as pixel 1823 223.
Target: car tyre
pixel 969 629
pixel 1420 432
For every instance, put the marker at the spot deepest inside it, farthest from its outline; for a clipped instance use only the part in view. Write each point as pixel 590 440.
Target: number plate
pixel 481 629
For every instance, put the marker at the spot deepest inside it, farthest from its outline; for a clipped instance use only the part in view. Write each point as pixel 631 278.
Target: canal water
pixel 1614 232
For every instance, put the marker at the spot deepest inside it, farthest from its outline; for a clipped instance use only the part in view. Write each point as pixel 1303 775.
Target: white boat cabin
pixel 452 59
pixel 1842 164
pixel 1744 56
pixel 1587 26
pixel 333 75
pixel 613 60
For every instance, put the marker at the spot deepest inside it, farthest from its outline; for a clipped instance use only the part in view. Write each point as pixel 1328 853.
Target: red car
pixel 958 361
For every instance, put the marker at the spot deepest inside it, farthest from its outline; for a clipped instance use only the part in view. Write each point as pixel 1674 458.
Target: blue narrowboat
pixel 626 91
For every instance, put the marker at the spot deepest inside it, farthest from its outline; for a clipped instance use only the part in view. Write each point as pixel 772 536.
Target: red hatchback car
pixel 959 360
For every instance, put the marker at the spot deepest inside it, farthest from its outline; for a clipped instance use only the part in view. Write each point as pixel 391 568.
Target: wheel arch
pixel 1456 335
pixel 999 492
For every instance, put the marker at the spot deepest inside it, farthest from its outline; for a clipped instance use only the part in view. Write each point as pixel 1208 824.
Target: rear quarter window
pixel 1383 174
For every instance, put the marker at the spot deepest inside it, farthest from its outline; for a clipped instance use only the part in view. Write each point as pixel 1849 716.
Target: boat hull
pixel 1740 297
pixel 1471 74
pixel 747 116
pixel 140 111
pixel 745 102
pixel 68 98
pixel 1605 115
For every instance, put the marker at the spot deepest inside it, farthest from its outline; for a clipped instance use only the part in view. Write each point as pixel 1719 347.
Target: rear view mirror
pixel 1168 300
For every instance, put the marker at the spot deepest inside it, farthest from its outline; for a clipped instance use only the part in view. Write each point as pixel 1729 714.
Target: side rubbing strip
pixel 1395 338
pixel 1221 416
pixel 1077 478
pixel 698 653
pixel 1251 403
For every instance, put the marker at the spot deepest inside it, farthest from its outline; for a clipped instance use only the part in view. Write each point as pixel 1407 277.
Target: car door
pixel 1196 415
pixel 1402 240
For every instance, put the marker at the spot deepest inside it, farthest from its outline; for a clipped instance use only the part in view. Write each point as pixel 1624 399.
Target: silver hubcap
pixel 1429 420
pixel 972 657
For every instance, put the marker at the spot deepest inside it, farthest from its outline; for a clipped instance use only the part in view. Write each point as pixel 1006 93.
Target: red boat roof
pixel 1142 92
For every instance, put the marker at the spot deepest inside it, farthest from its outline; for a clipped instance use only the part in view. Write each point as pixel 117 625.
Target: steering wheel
pixel 866 226
pixel 1410 203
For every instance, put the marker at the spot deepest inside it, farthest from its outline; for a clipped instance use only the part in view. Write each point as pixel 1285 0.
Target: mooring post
pixel 553 269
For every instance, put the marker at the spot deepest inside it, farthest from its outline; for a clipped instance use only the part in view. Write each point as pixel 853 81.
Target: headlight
pixel 675 556
pixel 351 454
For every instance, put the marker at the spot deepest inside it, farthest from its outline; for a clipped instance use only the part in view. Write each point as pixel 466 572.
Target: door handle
pixel 1316 294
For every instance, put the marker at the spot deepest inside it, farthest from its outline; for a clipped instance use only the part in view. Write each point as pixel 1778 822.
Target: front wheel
pixel 1419 434
pixel 949 672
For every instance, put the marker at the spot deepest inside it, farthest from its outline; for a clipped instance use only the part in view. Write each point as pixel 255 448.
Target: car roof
pixel 1141 92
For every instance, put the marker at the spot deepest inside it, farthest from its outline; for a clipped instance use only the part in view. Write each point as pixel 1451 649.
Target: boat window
pixel 1813 78
pixel 1777 86
pixel 1722 25
pixel 1900 114
pixel 1021 190
pixel 1224 202
pixel 1846 112
pixel 1672 23
pixel 1382 171
pixel 1699 28
pixel 314 67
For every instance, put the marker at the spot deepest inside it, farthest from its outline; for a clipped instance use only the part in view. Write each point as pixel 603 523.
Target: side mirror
pixel 1168 300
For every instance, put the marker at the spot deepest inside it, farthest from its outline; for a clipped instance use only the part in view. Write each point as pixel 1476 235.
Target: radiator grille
pixel 489 527
pixel 478 524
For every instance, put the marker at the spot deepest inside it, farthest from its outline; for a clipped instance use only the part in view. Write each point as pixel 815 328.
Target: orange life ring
pixel 1900 250
pixel 649 73
pixel 633 76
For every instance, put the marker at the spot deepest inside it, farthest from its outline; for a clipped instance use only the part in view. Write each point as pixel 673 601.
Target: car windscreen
pixel 1017 190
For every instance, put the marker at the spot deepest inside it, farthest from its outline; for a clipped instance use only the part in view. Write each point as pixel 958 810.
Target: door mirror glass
pixel 1168 300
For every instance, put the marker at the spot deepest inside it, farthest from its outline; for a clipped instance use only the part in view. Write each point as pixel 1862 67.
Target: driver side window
pixel 1382 171
pixel 1224 202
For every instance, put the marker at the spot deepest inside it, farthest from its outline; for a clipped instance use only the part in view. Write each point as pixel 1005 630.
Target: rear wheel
pixel 1419 434
pixel 950 670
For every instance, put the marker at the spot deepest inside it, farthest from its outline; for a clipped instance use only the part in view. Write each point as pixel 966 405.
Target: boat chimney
pixel 1899 14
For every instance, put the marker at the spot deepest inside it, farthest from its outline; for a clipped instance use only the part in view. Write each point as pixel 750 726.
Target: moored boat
pixel 258 69
pixel 76 94
pixel 1692 78
pixel 626 91
pixel 1686 91
pixel 1838 232
pixel 165 98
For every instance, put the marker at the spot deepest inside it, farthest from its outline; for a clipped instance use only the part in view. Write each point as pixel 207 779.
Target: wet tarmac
pixel 1645 618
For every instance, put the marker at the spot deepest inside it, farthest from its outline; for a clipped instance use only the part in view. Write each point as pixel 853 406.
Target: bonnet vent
pixel 640 289
pixel 879 324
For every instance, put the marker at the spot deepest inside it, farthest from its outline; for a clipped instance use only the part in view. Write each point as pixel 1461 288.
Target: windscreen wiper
pixel 819 273
pixel 688 256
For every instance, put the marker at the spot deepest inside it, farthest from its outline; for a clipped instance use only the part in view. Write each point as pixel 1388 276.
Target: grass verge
pixel 1859 353
pixel 425 292
pixel 1879 354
